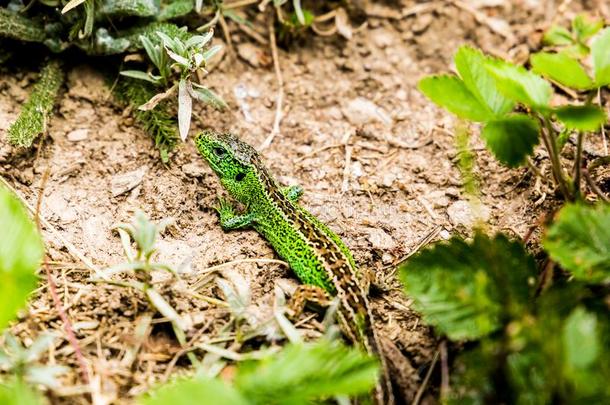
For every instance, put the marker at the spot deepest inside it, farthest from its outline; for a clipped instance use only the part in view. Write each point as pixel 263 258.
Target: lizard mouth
pixel 207 145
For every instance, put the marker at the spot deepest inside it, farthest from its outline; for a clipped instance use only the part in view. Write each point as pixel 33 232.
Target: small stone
pixel 382 38
pixel 421 23
pixel 252 54
pixel 461 213
pixel 78 135
pixel 122 183
pixel 193 170
pixel 388 179
pixel 380 239
pixel 360 111
pixel 387 258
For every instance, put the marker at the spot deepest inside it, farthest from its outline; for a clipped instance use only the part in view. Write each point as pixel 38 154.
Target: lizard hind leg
pixel 304 294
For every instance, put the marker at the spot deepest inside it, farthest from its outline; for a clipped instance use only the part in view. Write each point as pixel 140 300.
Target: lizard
pixel 320 259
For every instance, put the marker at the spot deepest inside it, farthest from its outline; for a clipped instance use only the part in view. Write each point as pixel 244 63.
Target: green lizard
pixel 317 255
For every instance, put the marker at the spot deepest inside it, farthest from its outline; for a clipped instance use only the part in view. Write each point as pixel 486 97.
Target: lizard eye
pixel 240 176
pixel 220 152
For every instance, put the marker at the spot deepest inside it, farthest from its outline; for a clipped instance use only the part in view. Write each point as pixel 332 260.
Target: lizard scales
pixel 316 254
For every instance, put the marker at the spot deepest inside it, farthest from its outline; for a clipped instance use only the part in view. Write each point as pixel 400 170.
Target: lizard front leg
pixel 293 193
pixel 229 219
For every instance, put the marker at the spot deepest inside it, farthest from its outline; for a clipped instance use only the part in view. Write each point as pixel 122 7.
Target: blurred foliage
pixel 301 373
pixel 18 393
pixel 524 349
pixel 21 251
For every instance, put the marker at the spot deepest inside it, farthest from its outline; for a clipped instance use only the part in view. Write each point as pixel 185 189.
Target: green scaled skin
pixel 315 253
pixel 229 158
pixel 35 112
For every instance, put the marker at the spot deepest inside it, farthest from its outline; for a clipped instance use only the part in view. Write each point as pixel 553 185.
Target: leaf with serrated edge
pixel 521 85
pixel 186 392
pixel 470 65
pixel 581 117
pixel 511 139
pixel 465 290
pixel 452 94
pixel 557 35
pixel 562 69
pixel 600 50
pixel 579 241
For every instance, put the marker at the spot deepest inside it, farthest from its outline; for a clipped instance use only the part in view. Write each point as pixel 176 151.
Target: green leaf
pixel 520 85
pixel 557 35
pixel 470 64
pixel 584 28
pixel 452 94
pixel 21 251
pixel 580 341
pixel 71 4
pixel 512 139
pixel 581 117
pixel 579 240
pixel 189 391
pixel 209 97
pixel 600 50
pixel 303 372
pixel 562 69
pixel 208 54
pixel 138 74
pixel 18 393
pixel 467 290
pixel 153 51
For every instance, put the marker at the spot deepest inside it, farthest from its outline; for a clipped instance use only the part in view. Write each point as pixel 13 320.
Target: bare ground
pixel 377 161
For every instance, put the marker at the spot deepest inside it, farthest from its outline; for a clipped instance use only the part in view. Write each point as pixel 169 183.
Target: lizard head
pixel 232 160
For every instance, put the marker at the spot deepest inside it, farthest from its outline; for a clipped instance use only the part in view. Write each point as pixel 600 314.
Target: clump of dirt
pixel 377 161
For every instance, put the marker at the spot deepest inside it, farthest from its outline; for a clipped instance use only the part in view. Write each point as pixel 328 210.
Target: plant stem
pixel 550 142
pixel 578 164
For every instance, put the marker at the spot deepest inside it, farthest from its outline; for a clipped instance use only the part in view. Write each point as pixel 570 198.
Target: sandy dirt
pixel 376 159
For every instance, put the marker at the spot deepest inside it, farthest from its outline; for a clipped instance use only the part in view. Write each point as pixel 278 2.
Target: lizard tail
pixel 384 394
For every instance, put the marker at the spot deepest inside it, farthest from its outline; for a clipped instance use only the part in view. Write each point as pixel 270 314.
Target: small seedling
pixel 139 263
pixel 514 104
pixel 187 57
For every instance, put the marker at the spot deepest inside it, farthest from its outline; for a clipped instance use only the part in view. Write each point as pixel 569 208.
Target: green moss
pixel 16 26
pixel 35 112
pixel 158 123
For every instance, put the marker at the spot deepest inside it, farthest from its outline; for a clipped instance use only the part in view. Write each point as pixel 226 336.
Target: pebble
pixel 122 183
pixel 422 23
pixel 381 37
pixel 461 213
pixel 380 239
pixel 78 135
pixel 252 54
pixel 193 170
pixel 360 111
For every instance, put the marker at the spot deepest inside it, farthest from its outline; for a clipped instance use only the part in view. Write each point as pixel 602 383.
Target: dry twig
pixel 280 92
